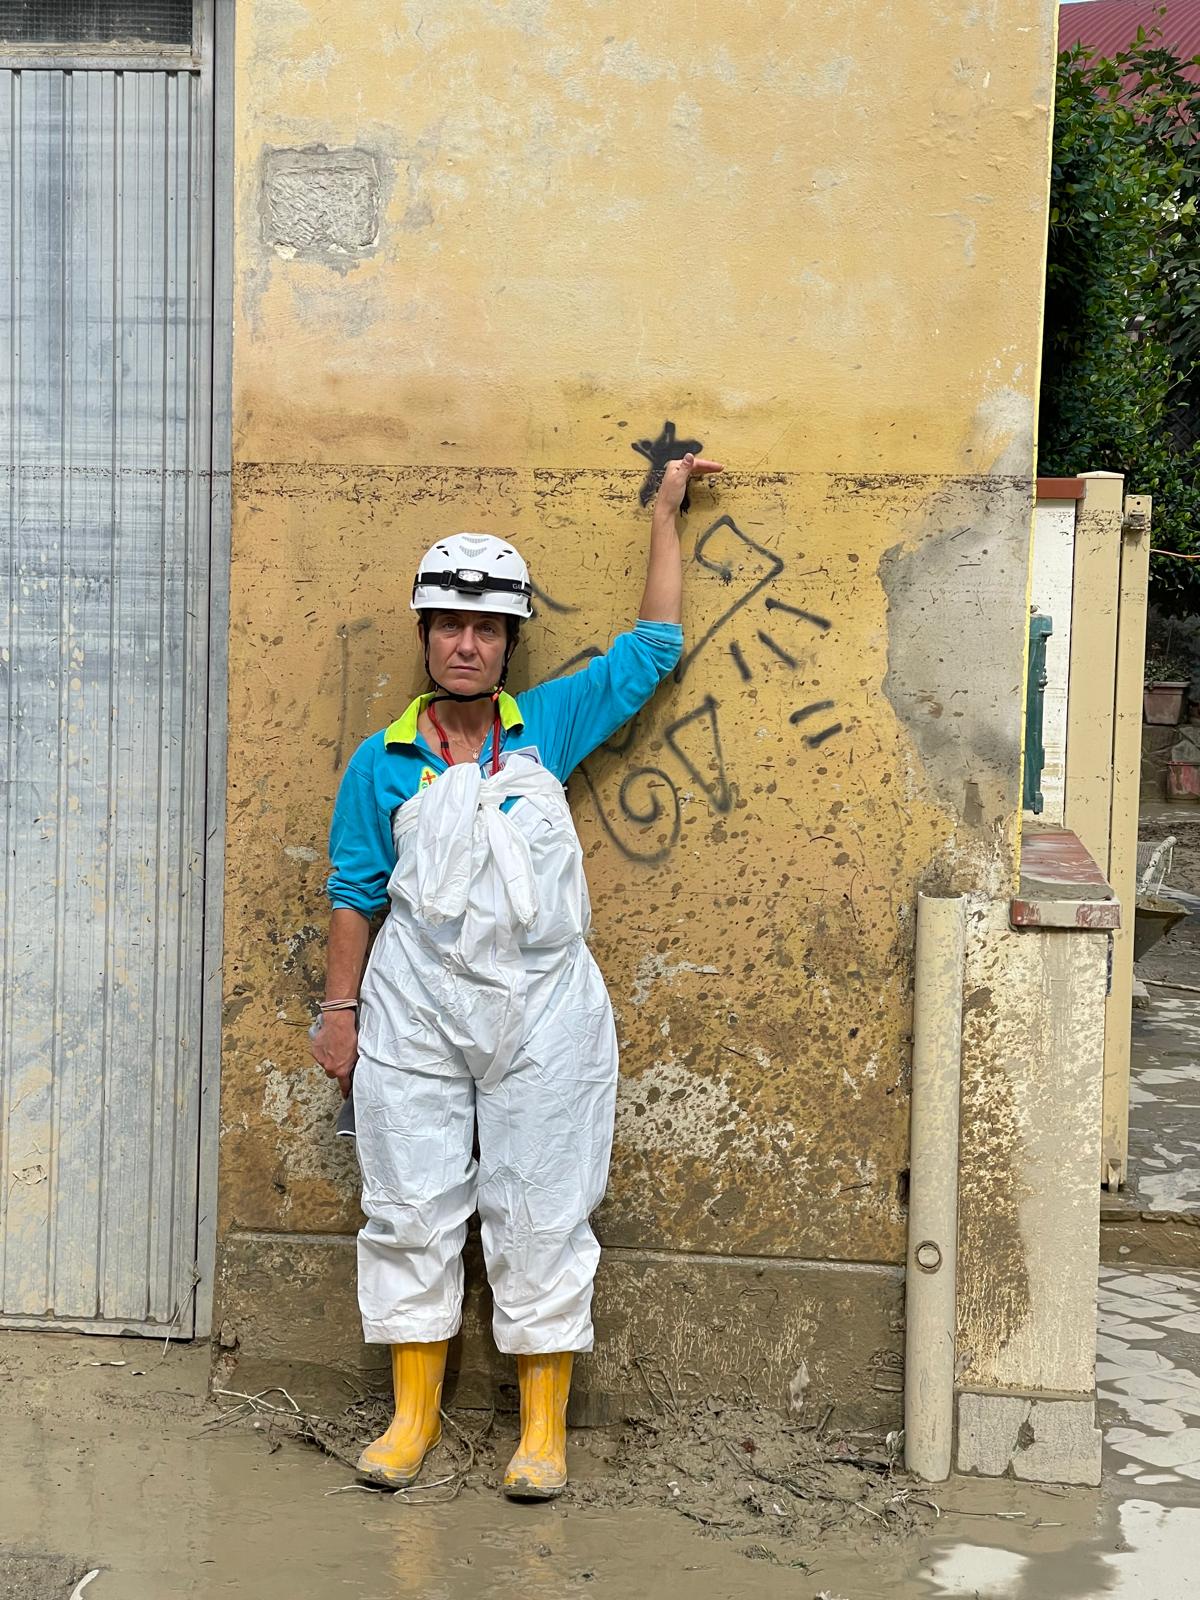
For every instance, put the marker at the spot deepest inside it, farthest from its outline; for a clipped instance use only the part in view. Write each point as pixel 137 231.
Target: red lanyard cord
pixel 444 742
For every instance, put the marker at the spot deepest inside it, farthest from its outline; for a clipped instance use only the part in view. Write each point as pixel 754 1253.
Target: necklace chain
pixel 473 752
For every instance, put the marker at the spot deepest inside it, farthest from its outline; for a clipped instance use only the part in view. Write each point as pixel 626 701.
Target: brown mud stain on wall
pixel 993 1278
pixel 754 930
pixel 752 839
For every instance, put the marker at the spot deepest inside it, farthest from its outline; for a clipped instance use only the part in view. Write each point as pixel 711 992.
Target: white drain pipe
pixel 930 1269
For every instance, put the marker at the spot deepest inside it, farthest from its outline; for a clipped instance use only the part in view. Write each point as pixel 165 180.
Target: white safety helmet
pixel 473 572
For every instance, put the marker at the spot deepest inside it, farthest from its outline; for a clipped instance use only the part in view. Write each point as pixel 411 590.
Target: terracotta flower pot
pixel 1162 703
pixel 1183 780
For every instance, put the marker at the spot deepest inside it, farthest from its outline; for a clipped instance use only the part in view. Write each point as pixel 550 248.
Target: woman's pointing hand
pixel 677 476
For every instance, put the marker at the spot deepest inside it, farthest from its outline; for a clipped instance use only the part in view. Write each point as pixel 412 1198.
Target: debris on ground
pixel 1184 875
pixel 274 1413
pixel 739 1469
pixel 735 1469
pixel 36 1575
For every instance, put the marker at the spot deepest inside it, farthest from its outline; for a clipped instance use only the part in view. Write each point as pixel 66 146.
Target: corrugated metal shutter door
pixel 105 363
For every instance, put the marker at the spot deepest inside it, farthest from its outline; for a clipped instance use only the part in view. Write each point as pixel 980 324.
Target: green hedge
pixel 1121 350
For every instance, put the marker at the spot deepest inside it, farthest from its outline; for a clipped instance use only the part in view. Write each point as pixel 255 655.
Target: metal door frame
pixel 216 31
pixel 212 48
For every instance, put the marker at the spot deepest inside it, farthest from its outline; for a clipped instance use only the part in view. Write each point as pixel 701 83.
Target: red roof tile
pixel 1107 26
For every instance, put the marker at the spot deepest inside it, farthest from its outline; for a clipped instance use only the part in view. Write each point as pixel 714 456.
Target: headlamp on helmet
pixel 473 572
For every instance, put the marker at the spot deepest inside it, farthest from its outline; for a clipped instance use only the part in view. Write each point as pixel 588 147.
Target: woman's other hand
pixel 677 476
pixel 335 1046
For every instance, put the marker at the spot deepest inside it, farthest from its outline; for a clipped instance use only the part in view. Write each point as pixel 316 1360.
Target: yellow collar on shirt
pixel 404 729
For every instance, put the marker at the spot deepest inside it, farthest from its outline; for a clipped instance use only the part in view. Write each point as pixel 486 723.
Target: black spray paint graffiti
pixel 724 570
pixel 660 453
pixel 648 796
pixel 558 606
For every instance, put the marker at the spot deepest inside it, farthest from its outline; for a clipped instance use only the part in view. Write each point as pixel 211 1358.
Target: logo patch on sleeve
pixel 529 752
pixel 427 777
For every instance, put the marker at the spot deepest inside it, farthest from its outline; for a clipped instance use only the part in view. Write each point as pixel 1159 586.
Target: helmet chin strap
pixel 461 699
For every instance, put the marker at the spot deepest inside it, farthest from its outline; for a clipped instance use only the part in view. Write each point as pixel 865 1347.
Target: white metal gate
pixel 106 250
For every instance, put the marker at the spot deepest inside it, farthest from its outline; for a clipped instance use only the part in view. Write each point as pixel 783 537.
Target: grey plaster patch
pixel 1039 1441
pixel 320 204
pixel 1004 432
pixel 956 650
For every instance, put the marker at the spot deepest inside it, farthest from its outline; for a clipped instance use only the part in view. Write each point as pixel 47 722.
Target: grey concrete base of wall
pixel 1038 1438
pixel 669 1328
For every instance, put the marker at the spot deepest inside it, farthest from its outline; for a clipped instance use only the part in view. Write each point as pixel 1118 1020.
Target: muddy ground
pixel 92 1420
pixel 133 1470
pixel 768 1483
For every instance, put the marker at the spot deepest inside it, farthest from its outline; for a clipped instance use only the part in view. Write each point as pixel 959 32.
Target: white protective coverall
pixel 481 1002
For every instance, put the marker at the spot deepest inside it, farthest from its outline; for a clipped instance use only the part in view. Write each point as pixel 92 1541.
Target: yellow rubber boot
pixel 418 1371
pixel 538 1471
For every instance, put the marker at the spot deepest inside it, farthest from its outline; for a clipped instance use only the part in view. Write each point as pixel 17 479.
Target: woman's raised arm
pixel 662 598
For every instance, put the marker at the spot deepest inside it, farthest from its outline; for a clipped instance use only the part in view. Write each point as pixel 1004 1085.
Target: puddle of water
pixel 1153 1557
pixel 976 1569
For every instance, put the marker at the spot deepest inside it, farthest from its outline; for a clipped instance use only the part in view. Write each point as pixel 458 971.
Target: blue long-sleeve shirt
pixel 562 721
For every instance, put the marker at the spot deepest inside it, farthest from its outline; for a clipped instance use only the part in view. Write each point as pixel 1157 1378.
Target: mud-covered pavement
pixel 133 1470
pixel 114 1467
pixel 120 1468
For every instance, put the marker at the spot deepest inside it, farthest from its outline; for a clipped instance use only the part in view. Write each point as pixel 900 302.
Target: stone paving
pixel 1149 1331
pixel 1164 1096
pixel 1164 1100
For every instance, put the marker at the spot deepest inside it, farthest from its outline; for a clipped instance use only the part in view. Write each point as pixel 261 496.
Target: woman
pixel 481 1006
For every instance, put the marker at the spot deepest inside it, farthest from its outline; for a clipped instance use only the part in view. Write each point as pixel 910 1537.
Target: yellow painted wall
pixel 810 236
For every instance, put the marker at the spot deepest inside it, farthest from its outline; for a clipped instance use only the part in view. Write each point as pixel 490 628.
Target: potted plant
pixel 1165 688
